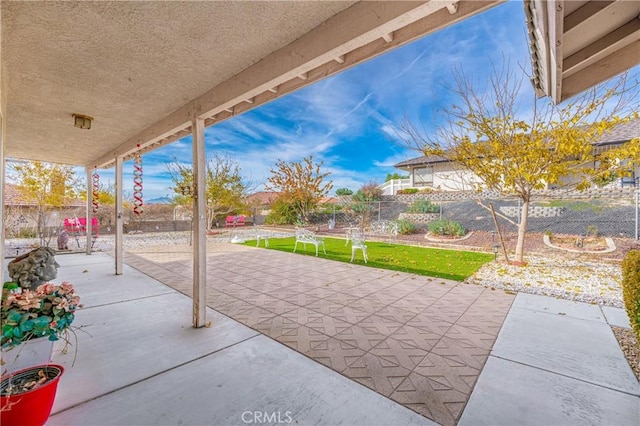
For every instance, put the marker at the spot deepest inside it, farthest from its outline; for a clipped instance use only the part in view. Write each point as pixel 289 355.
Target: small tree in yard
pixel 516 156
pixel 301 184
pixel 362 202
pixel 47 186
pixel 225 190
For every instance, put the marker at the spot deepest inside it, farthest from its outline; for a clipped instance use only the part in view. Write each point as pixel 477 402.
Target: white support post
pixel 199 225
pixel 119 217
pixel 2 201
pixel 89 206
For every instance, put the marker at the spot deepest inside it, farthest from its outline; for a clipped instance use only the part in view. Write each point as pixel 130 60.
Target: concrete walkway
pixel 556 362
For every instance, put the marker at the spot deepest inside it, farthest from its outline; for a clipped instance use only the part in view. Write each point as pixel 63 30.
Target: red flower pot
pixel 30 408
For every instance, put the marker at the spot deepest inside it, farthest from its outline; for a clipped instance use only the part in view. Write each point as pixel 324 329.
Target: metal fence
pixel 613 217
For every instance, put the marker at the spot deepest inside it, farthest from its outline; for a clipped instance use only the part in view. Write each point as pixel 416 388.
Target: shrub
pixel 423 206
pixel 408 191
pixel 370 192
pixel 282 213
pixel 405 227
pixel 631 288
pixel 446 227
pixel 343 191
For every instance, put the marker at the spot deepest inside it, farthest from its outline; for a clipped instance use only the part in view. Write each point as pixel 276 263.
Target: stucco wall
pixel 447 177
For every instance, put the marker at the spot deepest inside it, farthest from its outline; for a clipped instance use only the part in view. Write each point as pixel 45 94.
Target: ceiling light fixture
pixel 82 121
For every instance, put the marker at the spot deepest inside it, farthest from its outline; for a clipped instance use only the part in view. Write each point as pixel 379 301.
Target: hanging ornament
pixel 137 185
pixel 95 191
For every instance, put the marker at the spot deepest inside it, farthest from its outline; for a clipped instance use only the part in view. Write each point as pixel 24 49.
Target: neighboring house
pixel 261 201
pixel 438 173
pixel 21 215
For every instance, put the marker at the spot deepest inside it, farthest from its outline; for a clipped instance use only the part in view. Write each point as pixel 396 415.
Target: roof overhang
pixel 145 70
pixel 578 44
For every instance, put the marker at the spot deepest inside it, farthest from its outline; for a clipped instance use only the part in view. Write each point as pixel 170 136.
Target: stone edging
pixel 445 240
pixel 611 246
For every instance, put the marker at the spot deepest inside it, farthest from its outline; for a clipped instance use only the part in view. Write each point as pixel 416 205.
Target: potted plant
pixel 35 317
pixel 26 396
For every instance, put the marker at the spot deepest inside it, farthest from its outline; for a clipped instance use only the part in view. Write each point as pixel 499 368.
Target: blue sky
pixel 347 121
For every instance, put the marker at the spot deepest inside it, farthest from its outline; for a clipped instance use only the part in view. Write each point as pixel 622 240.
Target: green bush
pixel 631 288
pixel 446 227
pixel 405 227
pixel 343 191
pixel 281 213
pixel 408 191
pixel 423 206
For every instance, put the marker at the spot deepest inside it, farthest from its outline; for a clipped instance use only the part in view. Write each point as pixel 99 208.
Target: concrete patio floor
pixel 400 348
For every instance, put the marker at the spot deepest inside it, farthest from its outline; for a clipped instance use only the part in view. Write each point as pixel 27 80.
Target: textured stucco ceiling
pixel 127 64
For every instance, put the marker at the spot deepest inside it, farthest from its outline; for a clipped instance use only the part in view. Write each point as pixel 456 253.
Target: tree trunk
pixel 522 231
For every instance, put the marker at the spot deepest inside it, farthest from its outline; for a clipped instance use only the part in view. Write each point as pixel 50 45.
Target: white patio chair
pixel 358 242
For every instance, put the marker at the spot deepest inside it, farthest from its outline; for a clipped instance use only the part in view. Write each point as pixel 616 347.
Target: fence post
pixel 637 199
pixel 379 207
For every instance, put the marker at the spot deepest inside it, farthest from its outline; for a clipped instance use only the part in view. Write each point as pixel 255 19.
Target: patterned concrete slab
pixel 417 340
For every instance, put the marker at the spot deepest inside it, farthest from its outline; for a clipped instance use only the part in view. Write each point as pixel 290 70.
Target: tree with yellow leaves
pixel 516 154
pixel 301 184
pixel 225 186
pixel 47 186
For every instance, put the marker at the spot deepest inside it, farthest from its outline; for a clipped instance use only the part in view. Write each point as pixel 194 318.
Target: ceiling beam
pixel 586 13
pixel 359 28
pixel 601 70
pixel 603 47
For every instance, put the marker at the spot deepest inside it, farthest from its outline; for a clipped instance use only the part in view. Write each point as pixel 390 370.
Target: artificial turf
pixel 451 264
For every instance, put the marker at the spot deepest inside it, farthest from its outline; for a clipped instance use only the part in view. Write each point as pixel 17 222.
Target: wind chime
pixel 95 179
pixel 137 185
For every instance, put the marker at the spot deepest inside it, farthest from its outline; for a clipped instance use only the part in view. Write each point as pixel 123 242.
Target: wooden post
pixel 199 225
pixel 119 217
pixel 495 222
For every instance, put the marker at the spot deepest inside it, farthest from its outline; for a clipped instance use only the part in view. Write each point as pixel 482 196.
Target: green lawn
pixel 455 265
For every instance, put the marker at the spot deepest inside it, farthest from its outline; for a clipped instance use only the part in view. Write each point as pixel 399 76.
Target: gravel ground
pixel 630 347
pixel 567 279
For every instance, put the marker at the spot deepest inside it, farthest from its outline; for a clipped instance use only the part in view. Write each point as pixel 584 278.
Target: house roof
pixel 432 159
pixel 619 134
pixel 577 44
pixel 146 70
pixel 262 198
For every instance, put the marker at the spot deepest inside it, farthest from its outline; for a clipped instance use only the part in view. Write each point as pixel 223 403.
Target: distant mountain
pixel 160 200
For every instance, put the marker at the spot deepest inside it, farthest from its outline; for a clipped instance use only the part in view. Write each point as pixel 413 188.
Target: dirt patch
pixel 573 242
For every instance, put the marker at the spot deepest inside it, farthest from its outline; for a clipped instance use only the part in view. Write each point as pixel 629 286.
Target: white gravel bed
pixel 588 282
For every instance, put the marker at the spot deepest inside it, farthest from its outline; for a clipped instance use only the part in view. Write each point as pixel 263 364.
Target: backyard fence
pixel 612 217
